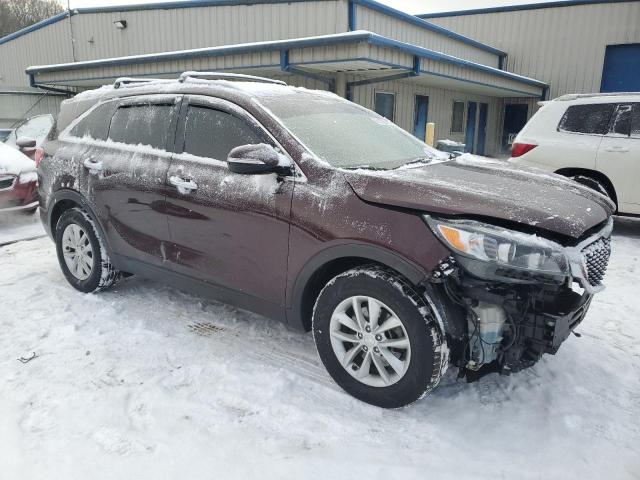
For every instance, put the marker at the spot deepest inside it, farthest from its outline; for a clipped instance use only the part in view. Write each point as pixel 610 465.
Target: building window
pixel 385 104
pixel 457 119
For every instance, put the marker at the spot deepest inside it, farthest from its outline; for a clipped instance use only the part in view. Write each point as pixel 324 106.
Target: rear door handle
pixel 184 186
pixel 616 149
pixel 91 165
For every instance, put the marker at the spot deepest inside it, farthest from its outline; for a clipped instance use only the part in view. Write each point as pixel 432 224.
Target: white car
pixel 593 138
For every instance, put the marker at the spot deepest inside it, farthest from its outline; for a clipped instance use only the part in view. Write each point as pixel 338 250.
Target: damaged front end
pixel 516 295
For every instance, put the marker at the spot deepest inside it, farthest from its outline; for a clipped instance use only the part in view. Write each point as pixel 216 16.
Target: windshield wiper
pixel 364 167
pixel 425 160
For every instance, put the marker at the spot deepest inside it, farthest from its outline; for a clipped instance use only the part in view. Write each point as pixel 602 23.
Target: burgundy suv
pixel 312 210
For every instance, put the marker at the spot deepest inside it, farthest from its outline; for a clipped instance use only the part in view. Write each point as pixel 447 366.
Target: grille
pixel 596 256
pixel 6 181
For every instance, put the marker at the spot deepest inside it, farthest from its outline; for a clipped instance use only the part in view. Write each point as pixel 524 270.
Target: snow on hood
pixel 483 187
pixel 13 162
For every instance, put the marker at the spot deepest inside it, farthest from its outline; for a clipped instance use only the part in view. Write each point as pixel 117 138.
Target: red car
pixel 19 157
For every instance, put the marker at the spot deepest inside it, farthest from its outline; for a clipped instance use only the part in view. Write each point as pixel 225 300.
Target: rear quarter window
pixel 96 124
pixel 591 119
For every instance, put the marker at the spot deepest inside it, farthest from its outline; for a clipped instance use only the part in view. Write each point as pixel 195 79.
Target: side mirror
pixel 26 142
pixel 256 158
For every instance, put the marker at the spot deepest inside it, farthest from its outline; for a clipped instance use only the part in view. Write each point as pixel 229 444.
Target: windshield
pixel 347 135
pixel 36 128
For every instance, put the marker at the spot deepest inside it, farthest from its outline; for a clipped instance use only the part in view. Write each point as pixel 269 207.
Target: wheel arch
pixel 595 174
pixel 333 261
pixel 65 199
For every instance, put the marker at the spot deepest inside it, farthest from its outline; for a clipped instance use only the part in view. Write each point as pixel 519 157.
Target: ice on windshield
pixel 346 135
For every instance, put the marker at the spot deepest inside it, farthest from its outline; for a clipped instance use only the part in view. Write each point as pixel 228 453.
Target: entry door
pixel 515 118
pixel 420 116
pixel 470 134
pixel 476 132
pixel 125 178
pixel 619 156
pixel 227 229
pixel 482 129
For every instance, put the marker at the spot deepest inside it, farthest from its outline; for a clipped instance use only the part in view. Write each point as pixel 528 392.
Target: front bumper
pixel 510 318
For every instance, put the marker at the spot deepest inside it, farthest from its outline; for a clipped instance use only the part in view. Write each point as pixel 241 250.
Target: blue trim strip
pixel 35 26
pixel 392 12
pixel 352 16
pixel 182 4
pixel 349 89
pixel 515 8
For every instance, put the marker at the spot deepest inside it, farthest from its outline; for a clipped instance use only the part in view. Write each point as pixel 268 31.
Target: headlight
pixel 499 245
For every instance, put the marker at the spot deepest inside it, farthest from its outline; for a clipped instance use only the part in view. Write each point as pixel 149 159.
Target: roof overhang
pixel 363 54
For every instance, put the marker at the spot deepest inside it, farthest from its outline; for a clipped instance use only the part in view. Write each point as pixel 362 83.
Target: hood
pixel 14 162
pixel 478 186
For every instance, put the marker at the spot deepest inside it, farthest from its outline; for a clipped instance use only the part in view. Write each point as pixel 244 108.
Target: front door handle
pixel 617 149
pixel 93 165
pixel 184 186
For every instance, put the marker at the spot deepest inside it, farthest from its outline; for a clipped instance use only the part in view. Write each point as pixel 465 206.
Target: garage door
pixel 621 71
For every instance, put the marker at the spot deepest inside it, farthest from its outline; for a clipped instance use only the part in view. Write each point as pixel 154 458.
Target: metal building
pixel 406 68
pixel 580 46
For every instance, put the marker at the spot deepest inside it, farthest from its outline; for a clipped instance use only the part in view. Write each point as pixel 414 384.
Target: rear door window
pixel 591 119
pixel 213 133
pixel 147 125
pixel 621 121
pixel 96 124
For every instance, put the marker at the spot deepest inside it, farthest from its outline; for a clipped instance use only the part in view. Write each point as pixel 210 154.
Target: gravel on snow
pixel 144 381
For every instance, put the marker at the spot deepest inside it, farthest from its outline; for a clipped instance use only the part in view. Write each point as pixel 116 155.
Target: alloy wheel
pixel 77 251
pixel 370 341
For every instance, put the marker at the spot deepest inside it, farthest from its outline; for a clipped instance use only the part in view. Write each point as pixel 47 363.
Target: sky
pixel 409 6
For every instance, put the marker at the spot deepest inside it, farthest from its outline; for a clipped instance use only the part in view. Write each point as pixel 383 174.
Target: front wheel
pixel 81 253
pixel 378 338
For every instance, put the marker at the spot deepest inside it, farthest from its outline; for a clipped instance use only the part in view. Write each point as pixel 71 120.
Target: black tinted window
pixel 142 124
pixel 635 121
pixel 457 119
pixel 385 104
pixel 213 133
pixel 587 118
pixel 96 124
pixel 621 123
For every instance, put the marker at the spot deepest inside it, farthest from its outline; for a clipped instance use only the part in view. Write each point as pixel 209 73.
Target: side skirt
pixel 199 287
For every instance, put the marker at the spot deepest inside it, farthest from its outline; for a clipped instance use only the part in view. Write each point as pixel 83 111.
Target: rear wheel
pixel 81 253
pixel 378 338
pixel 593 184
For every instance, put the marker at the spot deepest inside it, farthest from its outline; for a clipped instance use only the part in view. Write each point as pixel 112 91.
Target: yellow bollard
pixel 430 133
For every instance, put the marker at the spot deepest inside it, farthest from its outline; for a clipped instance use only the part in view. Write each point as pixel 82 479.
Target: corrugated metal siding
pixel 152 31
pixel 561 46
pixel 47 45
pixel 17 107
pixel 440 108
pixel 367 19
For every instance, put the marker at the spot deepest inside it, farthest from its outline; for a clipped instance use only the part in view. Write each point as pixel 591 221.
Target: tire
pixel 593 184
pixel 418 364
pixel 97 273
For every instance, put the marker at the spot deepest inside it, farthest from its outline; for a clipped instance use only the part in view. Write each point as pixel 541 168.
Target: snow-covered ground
pixel 143 381
pixel 16 226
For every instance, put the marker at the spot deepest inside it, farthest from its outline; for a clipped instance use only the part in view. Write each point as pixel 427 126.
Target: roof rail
pixel 124 81
pixel 574 96
pixel 227 76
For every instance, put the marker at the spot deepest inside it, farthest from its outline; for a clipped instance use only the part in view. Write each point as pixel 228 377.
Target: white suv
pixel 594 139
